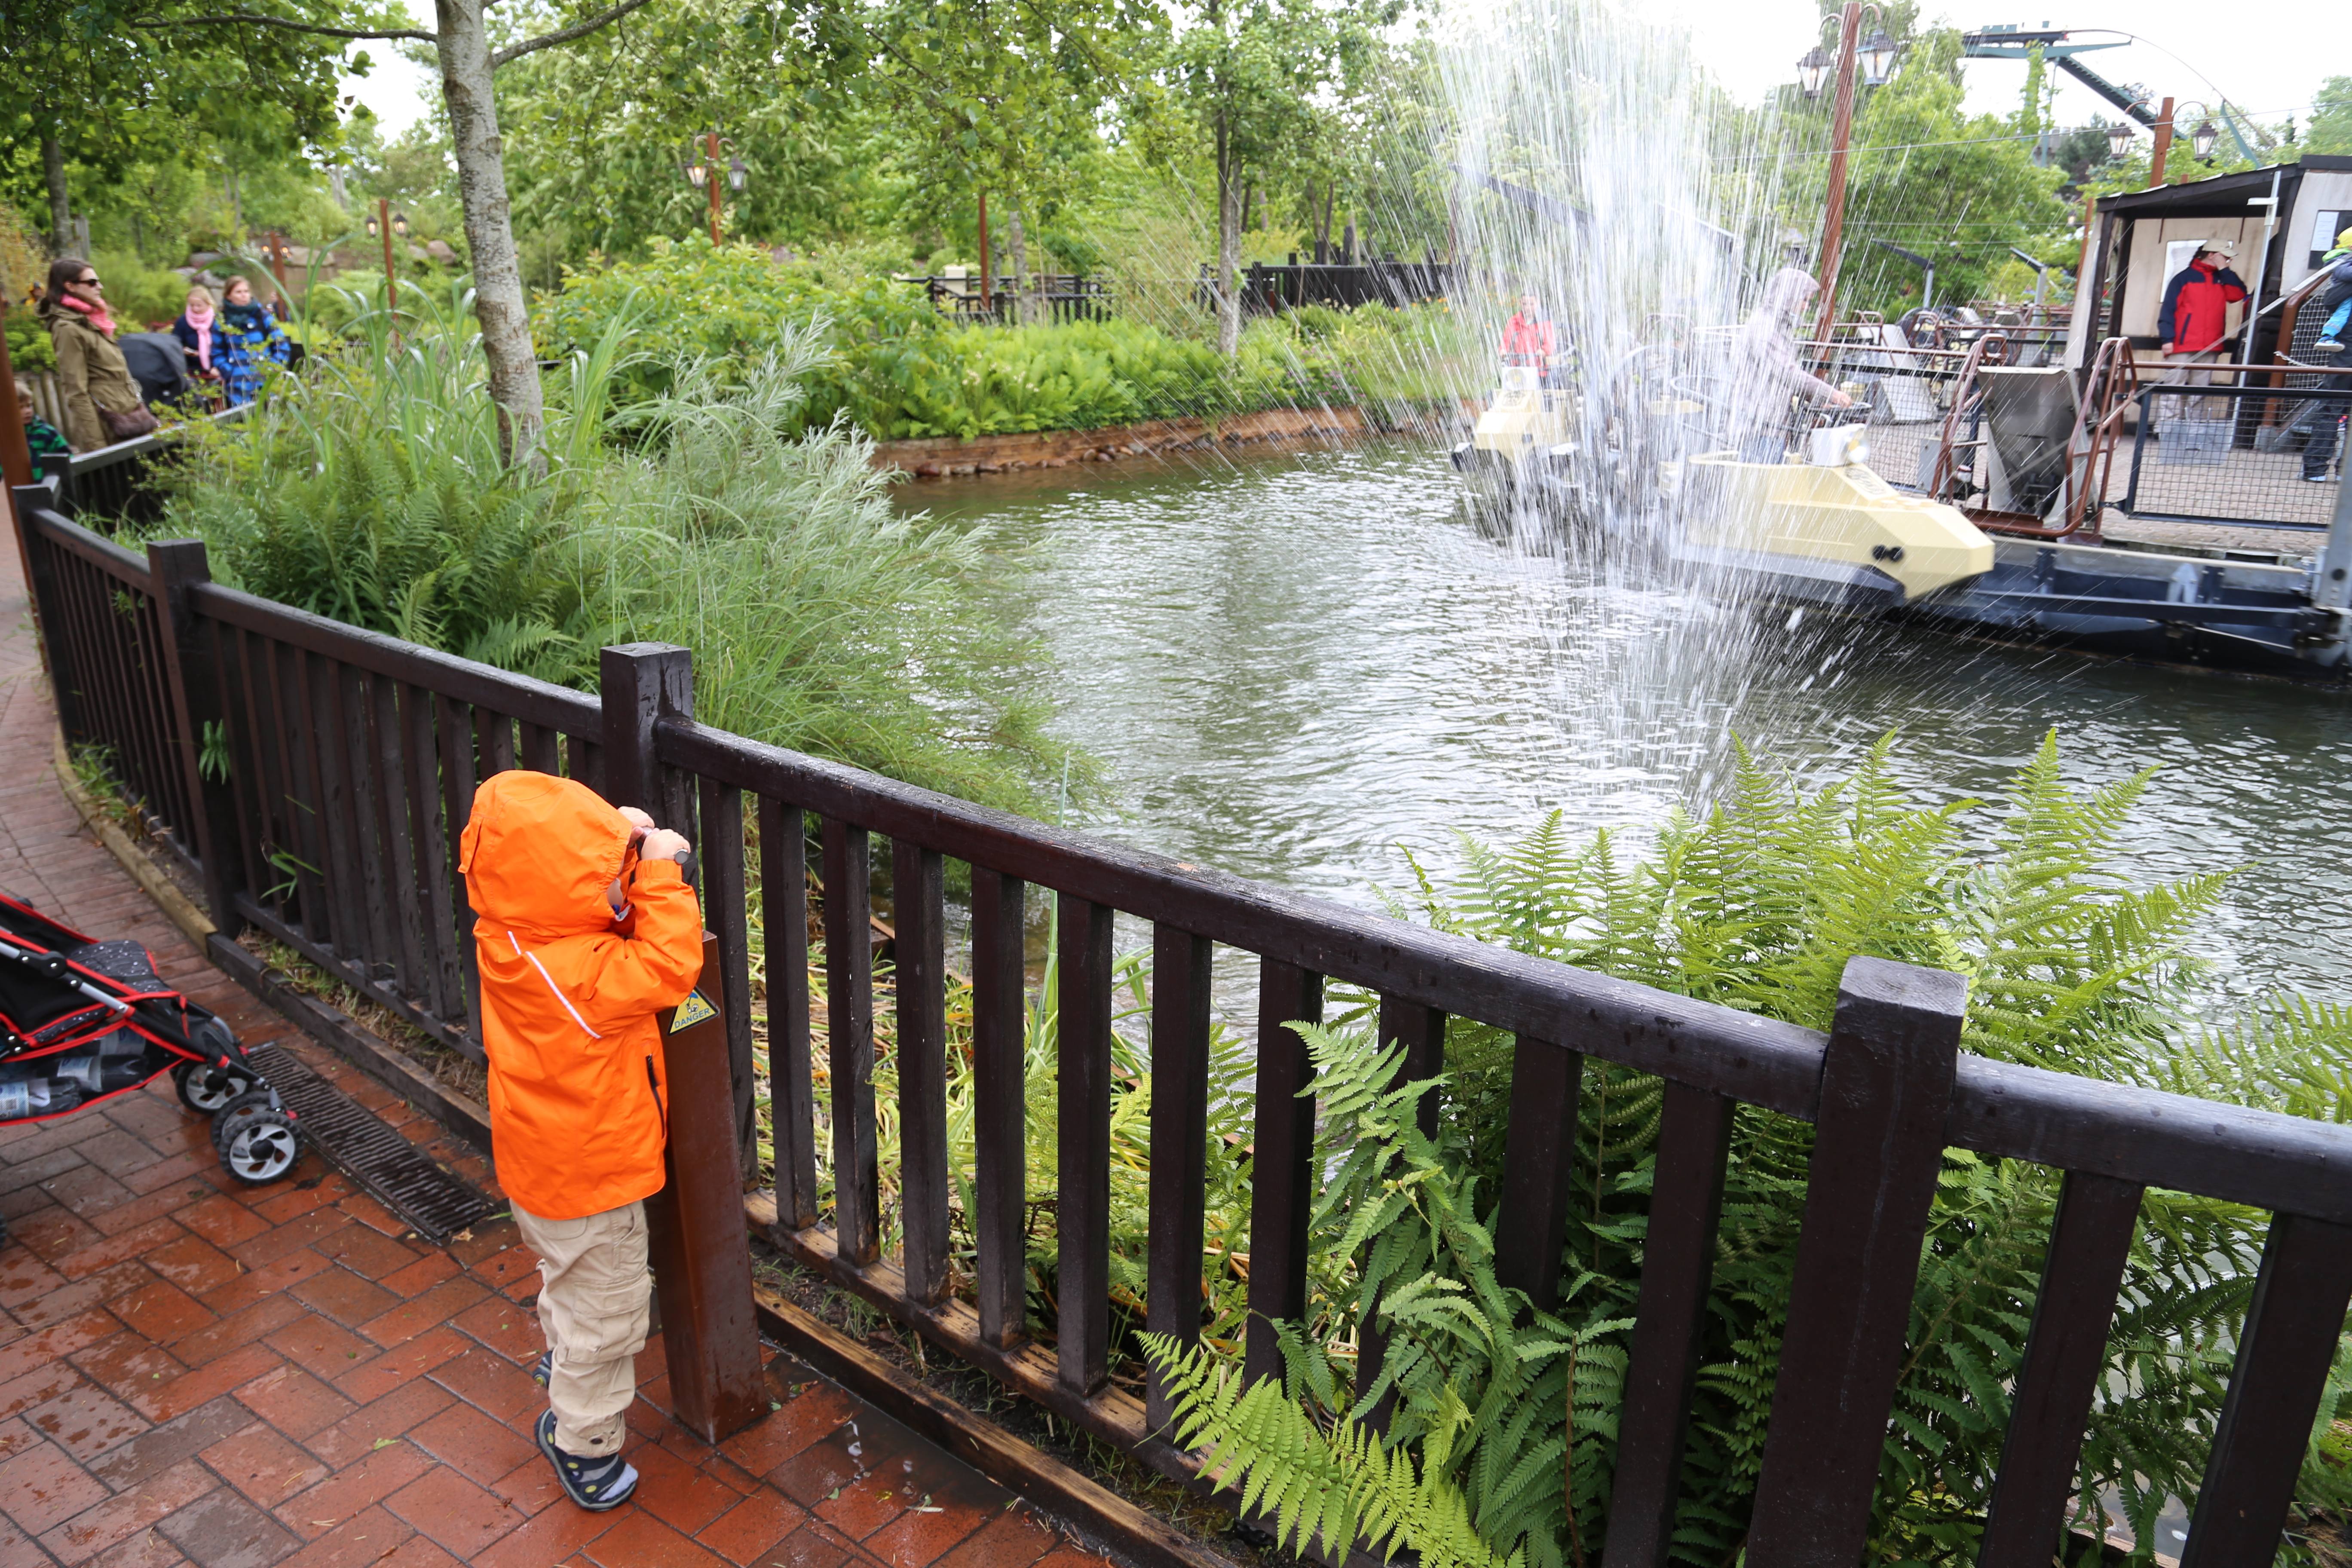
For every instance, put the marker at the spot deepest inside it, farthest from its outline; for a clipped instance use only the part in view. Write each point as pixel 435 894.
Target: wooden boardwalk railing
pixel 315 777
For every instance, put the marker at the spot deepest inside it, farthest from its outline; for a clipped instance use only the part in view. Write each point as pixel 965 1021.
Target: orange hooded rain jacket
pixel 578 1110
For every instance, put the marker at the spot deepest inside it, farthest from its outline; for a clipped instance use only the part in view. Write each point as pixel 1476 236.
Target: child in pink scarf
pixel 194 329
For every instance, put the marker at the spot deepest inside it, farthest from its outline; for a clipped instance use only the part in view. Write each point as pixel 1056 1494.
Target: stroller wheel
pixel 263 1147
pixel 237 1112
pixel 204 1088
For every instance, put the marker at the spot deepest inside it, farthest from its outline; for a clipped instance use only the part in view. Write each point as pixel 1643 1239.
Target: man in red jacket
pixel 2195 322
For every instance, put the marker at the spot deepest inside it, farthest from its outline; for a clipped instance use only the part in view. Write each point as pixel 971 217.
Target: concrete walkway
pixel 195 1371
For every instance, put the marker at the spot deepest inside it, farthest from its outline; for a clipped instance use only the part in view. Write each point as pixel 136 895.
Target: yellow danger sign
pixel 694 1009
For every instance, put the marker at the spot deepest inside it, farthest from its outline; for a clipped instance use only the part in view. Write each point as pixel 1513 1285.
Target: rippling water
pixel 1295 664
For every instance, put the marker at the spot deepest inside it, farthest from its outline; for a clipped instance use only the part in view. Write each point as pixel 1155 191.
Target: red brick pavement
pixel 193 1371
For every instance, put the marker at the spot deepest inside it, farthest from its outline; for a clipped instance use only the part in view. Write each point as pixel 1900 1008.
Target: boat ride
pixel 2045 475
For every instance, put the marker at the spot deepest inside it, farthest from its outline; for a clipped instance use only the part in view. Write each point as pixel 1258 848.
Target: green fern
pixel 1757 903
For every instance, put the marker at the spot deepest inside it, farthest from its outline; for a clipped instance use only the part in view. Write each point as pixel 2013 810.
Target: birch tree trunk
pixel 53 167
pixel 1229 247
pixel 499 301
pixel 1024 300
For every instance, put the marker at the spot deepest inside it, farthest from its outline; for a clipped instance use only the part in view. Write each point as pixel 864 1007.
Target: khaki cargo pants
pixel 594 1295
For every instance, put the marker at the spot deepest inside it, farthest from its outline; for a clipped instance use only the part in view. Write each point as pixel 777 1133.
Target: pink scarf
pixel 96 313
pixel 202 325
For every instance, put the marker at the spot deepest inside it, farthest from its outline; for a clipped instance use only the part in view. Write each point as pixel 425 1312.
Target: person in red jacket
pixel 584 929
pixel 2194 321
pixel 1529 339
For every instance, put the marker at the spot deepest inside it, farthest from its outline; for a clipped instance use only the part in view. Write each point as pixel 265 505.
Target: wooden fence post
pixel 1879 1144
pixel 192 684
pixel 48 614
pixel 701 1257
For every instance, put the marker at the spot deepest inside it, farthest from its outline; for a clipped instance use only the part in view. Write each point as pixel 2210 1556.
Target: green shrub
pixel 1757 905
pixel 901 369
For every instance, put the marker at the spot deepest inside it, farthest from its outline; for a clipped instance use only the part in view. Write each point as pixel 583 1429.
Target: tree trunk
pixel 53 165
pixel 1024 298
pixel 498 302
pixel 1229 245
pixel 987 278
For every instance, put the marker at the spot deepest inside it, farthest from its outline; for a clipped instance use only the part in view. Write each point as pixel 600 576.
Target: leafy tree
pixel 109 85
pixel 1006 93
pixel 468 58
pixel 2330 129
pixel 595 133
pixel 1240 80
pixel 1956 189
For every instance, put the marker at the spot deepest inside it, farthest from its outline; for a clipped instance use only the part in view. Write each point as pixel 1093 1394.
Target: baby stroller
pixel 82 1022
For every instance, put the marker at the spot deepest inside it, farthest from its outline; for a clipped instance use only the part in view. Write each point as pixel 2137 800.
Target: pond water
pixel 1297 663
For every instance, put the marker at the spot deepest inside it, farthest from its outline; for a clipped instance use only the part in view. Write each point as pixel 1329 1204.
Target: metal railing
pixel 317 775
pixel 2237 455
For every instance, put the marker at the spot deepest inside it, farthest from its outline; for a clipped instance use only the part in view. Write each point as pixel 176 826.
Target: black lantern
pixel 736 173
pixel 696 171
pixel 1877 58
pixel 2119 139
pixel 374 231
pixel 400 224
pixel 1813 70
pixel 2203 140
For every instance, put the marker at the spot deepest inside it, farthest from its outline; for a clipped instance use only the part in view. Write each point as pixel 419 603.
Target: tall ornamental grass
pixel 684 500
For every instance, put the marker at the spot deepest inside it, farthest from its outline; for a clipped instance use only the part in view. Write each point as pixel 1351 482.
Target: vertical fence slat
pixel 443 984
pixel 1283 1152
pixel 2065 1352
pixel 724 908
pixel 1879 1144
pixel 849 1039
pixel 494 735
pixel 177 566
pixel 231 649
pixel 399 845
pixel 159 715
pixel 272 782
pixel 1539 1159
pixel 1001 1106
pixel 356 735
pixel 1670 1316
pixel 306 825
pixel 1180 1129
pixel 1421 1030
pixel 539 754
pixel 2293 1327
pixel 783 919
pixel 346 878
pixel 457 785
pixel 65 655
pixel 1082 1184
pixel 917 879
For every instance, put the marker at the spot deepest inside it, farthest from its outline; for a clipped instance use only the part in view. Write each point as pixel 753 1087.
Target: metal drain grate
pixel 397 1171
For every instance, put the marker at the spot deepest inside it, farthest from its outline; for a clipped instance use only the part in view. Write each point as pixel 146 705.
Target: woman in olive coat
pixel 91 370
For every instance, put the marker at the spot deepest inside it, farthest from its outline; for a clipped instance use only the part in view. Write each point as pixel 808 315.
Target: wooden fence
pixel 316 776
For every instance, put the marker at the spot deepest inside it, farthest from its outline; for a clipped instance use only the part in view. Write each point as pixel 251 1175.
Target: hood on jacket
pixel 1785 294
pixel 539 853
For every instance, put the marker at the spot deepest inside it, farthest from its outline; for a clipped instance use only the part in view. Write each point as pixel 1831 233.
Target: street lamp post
pixel 385 224
pixel 703 169
pixel 1813 69
pixel 2200 139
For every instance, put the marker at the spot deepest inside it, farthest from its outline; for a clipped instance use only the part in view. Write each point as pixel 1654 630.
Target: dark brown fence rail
pixel 316 776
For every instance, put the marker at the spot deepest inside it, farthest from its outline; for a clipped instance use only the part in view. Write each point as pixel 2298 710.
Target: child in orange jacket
pixel 583 930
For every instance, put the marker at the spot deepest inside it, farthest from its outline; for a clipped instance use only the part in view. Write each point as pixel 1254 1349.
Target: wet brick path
pixel 193 1371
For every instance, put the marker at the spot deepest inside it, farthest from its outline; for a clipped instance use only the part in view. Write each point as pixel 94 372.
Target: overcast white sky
pixel 1753 44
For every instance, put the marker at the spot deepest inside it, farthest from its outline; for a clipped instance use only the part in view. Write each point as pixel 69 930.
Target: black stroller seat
pixel 82 1022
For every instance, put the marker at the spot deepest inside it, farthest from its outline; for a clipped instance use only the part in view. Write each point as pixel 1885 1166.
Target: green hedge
pixel 901 369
